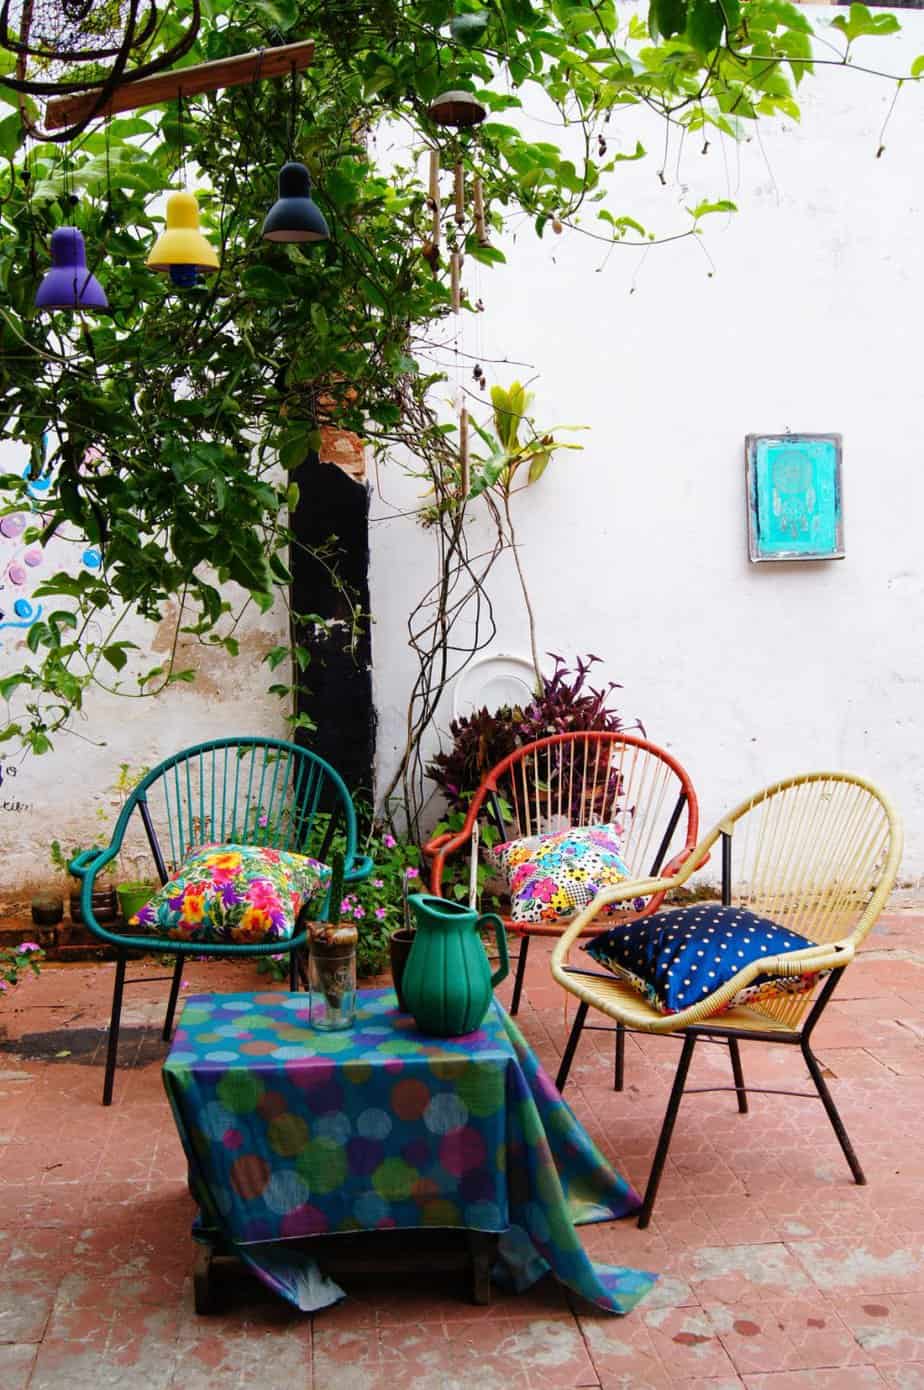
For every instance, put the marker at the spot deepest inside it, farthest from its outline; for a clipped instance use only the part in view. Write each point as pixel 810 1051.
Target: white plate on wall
pixel 492 681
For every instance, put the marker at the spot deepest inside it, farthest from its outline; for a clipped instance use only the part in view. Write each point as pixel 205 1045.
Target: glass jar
pixel 332 976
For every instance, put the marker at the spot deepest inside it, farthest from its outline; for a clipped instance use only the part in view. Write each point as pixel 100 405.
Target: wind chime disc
pixel 459 109
pixel 64 46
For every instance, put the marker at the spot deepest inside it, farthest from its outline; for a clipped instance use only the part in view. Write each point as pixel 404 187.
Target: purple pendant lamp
pixel 69 284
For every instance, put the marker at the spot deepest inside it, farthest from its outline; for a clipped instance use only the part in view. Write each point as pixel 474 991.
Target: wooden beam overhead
pixel 188 82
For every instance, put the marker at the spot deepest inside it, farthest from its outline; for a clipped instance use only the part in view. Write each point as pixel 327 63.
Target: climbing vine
pixel 164 434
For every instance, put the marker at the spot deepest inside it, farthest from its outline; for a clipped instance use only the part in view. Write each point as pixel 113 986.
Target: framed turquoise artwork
pixel 795 510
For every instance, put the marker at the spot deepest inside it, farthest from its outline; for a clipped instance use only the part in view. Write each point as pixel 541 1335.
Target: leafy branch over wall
pixel 174 420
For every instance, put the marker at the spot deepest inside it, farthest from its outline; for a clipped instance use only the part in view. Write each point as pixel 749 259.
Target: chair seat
pixel 621 1002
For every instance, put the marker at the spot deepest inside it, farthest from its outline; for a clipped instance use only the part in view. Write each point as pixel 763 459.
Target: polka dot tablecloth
pixel 291 1132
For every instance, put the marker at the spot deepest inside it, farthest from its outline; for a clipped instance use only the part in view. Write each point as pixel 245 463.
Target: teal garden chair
pixel 253 791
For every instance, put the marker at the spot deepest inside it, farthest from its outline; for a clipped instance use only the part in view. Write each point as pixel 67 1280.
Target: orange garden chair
pixel 816 854
pixel 580 779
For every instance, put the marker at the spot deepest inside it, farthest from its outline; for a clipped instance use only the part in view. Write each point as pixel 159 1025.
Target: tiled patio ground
pixel 778 1273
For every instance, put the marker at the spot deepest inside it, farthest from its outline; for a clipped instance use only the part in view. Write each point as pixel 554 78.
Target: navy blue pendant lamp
pixel 294 216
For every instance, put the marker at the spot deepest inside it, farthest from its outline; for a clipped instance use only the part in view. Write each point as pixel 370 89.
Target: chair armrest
pixel 619 893
pixel 812 960
pixel 433 846
pixel 361 868
pixel 673 866
pixel 89 860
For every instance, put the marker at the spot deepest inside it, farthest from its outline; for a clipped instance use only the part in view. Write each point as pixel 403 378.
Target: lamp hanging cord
pixel 180 136
pixel 293 113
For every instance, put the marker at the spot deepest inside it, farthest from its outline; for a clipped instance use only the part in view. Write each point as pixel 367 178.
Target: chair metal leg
pixel 811 1061
pixel 667 1129
pixel 619 1061
pixel 521 972
pixel 574 1038
pixel 738 1075
pixel 293 971
pixel 114 1021
pixel 174 995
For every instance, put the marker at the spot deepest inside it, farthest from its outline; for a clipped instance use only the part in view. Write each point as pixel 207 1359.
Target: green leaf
pixel 295 446
pixel 280 571
pixel 276 656
pixel 703 209
pixel 538 466
pixel 705 24
pixel 11 135
pixel 860 21
pixel 486 255
pixel 667 17
pixel 115 655
pixel 917 67
pixel 9 683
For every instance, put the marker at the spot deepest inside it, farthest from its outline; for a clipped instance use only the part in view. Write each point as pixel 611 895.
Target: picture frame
pixel 794 497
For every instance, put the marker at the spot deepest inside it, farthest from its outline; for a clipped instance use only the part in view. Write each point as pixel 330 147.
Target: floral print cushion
pixel 552 877
pixel 239 894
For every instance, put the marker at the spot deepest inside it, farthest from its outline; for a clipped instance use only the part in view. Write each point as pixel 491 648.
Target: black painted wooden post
pixel 339 678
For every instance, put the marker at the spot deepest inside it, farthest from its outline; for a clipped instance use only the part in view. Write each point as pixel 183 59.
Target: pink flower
pixel 380 913
pixel 378 883
pixel 262 822
pixel 358 912
pixel 346 905
pixel 412 873
pixel 389 841
pixel 29 946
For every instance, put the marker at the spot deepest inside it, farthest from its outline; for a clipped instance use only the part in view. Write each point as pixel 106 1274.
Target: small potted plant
pixel 134 890
pixel 133 894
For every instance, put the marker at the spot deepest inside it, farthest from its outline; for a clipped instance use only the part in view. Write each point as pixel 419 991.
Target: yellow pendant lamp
pixel 181 249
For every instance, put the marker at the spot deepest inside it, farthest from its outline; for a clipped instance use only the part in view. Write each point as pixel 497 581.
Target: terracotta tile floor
pixel 778 1273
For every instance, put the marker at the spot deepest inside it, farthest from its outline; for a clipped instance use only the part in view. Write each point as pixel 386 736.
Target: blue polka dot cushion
pixel 676 958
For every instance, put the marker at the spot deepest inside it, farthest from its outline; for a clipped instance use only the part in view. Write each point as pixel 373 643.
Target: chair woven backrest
pixel 817 853
pixel 246 791
pixel 593 778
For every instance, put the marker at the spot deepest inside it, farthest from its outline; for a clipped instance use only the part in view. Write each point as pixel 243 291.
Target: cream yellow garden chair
pixel 817 854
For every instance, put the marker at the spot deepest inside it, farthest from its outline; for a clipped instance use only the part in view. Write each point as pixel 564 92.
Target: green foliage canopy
pixel 174 419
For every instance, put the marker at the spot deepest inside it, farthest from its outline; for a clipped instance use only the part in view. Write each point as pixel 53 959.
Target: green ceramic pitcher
pixel 447 981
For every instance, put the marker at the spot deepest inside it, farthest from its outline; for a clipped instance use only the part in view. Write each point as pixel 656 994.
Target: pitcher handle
pixel 500 936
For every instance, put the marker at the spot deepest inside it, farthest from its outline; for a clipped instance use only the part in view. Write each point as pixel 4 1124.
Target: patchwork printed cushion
pixel 239 894
pixel 675 959
pixel 551 877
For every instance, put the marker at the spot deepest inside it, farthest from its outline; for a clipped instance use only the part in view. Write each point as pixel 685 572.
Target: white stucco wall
pixel 636 548
pixel 69 794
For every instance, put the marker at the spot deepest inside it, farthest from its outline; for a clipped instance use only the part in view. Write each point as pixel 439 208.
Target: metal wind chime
pixel 459 110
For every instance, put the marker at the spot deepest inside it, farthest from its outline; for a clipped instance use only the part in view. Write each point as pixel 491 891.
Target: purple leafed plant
pixel 567 703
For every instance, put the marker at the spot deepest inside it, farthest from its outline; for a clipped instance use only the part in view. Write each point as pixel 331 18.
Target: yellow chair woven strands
pixel 817 854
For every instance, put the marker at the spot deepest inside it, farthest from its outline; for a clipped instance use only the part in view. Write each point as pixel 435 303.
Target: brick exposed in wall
pixel 345 450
